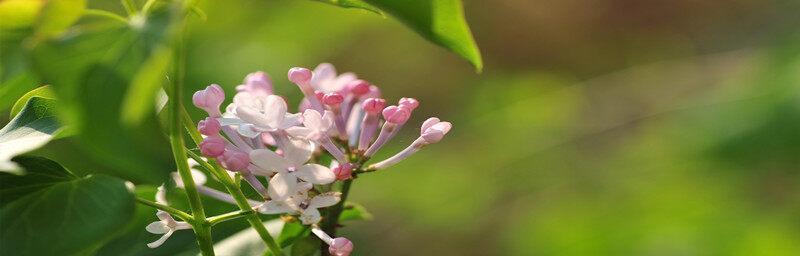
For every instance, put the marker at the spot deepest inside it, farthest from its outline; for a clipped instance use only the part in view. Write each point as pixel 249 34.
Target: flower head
pixel 256 83
pixel 234 160
pixel 212 146
pixel 433 130
pixel 209 99
pixel 289 168
pixel 209 126
pixel 340 246
pixel 396 115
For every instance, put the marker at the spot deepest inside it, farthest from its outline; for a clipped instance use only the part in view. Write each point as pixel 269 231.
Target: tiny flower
pixel 300 204
pixel 209 99
pixel 374 105
pixel 343 171
pixel 358 87
pixel 212 146
pixel 299 75
pixel 234 160
pixel 271 117
pixel 257 83
pixel 166 226
pixel 396 115
pixel 433 130
pixel 327 80
pixel 332 99
pixel 315 126
pixel 290 167
pixel 209 126
pixel 340 246
pixel 409 103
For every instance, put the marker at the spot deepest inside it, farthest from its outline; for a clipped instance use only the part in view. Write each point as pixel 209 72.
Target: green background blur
pixel 598 127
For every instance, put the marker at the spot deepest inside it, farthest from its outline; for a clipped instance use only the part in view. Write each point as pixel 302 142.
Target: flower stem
pixel 201 228
pixel 105 14
pixel 228 216
pixel 181 214
pixel 331 222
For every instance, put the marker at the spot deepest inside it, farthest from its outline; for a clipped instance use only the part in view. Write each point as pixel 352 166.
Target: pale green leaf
pixel 41 92
pixel 354 211
pixel 141 96
pixel 58 15
pixel 356 4
pixel 32 128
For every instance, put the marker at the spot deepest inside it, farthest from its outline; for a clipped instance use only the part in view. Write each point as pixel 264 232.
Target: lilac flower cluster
pixel 340 115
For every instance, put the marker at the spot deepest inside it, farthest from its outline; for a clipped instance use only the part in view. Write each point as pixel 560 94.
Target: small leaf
pixel 440 21
pixel 16 14
pixel 41 92
pixel 140 98
pixel 354 211
pixel 40 173
pixel 356 4
pixel 291 232
pixel 33 127
pixel 67 216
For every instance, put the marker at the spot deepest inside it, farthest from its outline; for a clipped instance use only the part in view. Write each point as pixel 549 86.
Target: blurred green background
pixel 598 127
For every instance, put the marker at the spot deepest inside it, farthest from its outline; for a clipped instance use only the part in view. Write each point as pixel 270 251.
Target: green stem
pixel 228 216
pixel 105 14
pixel 201 229
pixel 332 222
pixel 181 214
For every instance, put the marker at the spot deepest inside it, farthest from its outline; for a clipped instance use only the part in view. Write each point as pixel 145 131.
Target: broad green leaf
pixel 33 127
pixel 16 86
pixel 354 211
pixel 16 14
pixel 139 101
pixel 440 21
pixel 356 4
pixel 91 71
pixel 67 217
pixel 291 232
pixel 41 173
pixel 58 15
pixel 41 92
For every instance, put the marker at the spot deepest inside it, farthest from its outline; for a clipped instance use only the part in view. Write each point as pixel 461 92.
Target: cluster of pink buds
pixel 340 115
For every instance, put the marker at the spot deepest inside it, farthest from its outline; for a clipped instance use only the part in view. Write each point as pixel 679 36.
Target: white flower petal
pixel 281 186
pixel 312 119
pixel 315 173
pixel 300 132
pixel 323 71
pixel 275 110
pixel 253 116
pixel 291 120
pixel 275 207
pixel 325 200
pixel 161 240
pixel 157 227
pixel 310 216
pixel 298 152
pixel 230 121
pixel 248 130
pixel 268 160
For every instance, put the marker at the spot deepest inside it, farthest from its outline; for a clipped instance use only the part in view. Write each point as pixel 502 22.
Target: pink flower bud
pixel 374 92
pixel 209 99
pixel 409 103
pixel 343 171
pixel 433 130
pixel 333 98
pixel 374 105
pixel 319 95
pixel 340 246
pixel 234 160
pixel 396 115
pixel 299 75
pixel 209 126
pixel 212 146
pixel 256 82
pixel 358 87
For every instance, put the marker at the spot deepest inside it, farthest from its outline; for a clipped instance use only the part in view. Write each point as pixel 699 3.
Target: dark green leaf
pixel 42 92
pixel 291 232
pixel 354 211
pixel 91 71
pixel 356 4
pixel 440 21
pixel 306 246
pixel 40 174
pixel 140 99
pixel 66 218
pixel 35 125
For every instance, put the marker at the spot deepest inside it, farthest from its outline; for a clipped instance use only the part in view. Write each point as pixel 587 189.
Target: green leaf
pixel 33 127
pixel 440 21
pixel 41 173
pixel 291 232
pixel 15 87
pixel 139 101
pixel 91 71
pixel 41 92
pixel 65 216
pixel 58 15
pixel 16 14
pixel 356 4
pixel 354 211
pixel 306 246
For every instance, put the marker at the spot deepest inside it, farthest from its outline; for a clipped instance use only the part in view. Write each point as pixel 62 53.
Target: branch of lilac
pixel 341 123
